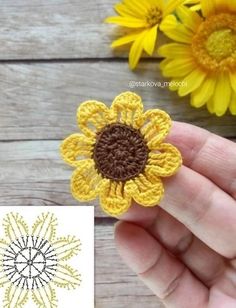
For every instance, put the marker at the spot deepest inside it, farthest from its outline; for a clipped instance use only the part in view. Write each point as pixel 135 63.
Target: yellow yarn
pixel 146 130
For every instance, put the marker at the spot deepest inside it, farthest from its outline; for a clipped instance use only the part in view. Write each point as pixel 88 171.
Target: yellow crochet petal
pixel 156 126
pixel 76 147
pixel 147 190
pixel 85 181
pixel 92 116
pixel 127 108
pixel 164 161
pixel 114 201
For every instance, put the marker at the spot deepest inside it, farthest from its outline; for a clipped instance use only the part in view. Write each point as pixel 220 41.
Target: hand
pixel 185 249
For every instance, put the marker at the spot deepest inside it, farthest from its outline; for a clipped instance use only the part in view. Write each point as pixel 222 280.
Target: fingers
pixel 163 273
pixel 204 262
pixel 208 154
pixel 205 209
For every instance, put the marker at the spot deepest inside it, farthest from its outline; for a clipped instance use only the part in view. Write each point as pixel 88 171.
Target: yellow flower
pixel 204 55
pixel 144 18
pixel 121 154
pixel 195 4
pixel 34 262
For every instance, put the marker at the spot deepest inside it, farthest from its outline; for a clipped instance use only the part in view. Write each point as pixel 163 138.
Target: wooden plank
pixel 39 101
pixel 116 285
pixel 32 173
pixel 57 29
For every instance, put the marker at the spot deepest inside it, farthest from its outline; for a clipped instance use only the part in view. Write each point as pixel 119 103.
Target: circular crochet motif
pixel 120 152
pixel 30 262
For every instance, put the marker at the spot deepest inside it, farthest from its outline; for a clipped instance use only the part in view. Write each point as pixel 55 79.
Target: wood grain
pixel 116 285
pixel 58 29
pixel 39 100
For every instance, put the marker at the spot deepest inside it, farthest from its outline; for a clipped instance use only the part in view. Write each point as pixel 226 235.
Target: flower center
pixel 120 152
pixel 30 262
pixel 221 44
pixel 154 16
pixel 214 45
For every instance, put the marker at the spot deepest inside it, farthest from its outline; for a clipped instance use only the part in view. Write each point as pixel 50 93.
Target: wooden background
pixel 55 54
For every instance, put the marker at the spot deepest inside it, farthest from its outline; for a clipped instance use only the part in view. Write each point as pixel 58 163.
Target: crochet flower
pixel 143 17
pixel 204 55
pixel 33 261
pixel 121 154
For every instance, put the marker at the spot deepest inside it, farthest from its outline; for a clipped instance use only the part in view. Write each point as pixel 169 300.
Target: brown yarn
pixel 120 152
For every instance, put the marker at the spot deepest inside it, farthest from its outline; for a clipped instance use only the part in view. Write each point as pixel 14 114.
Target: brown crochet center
pixel 120 152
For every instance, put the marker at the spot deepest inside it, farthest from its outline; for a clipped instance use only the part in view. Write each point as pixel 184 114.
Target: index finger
pixel 206 153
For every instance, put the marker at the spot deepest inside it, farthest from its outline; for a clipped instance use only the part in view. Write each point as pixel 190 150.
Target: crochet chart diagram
pixel 35 261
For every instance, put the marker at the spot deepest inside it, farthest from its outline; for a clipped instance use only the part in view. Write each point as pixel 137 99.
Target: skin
pixel 184 250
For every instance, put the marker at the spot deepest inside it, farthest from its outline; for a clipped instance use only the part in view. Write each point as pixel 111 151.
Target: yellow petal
pixel 92 116
pixel 190 19
pixel 150 39
pixel 15 296
pixel 164 161
pixel 138 6
pixel 129 22
pixel 136 50
pixel 208 7
pixel 203 93
pixel 76 147
pixel 233 81
pixel 44 297
pixel 222 95
pixel 113 199
pixel 146 190
pixel 127 108
pixel 156 126
pixel 66 247
pixel 15 226
pixel 175 50
pixel 196 7
pixel 168 23
pixel 45 226
pixel 175 84
pixel 123 10
pixel 125 40
pixel 193 81
pixel 179 67
pixel 232 106
pixel 66 277
pixel 85 181
pixel 210 106
pixel 164 63
pixel 179 34
pixel 171 6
